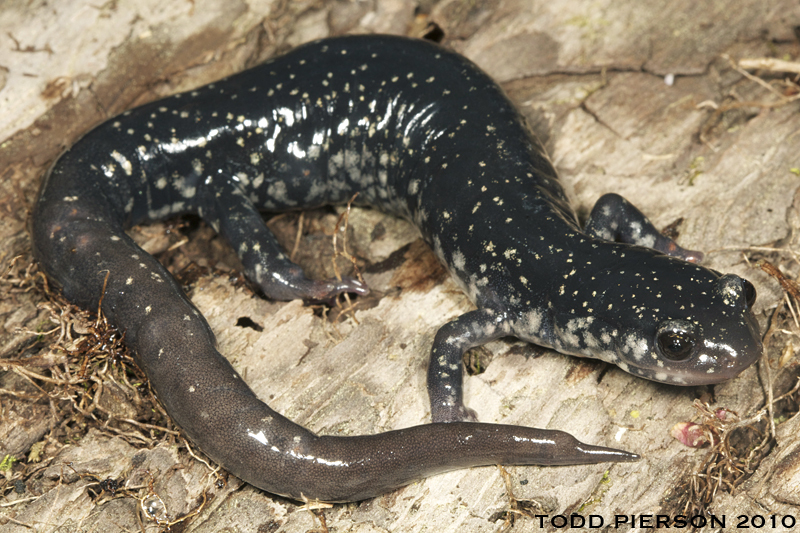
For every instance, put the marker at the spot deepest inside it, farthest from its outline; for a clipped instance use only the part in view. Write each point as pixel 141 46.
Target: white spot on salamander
pixel 459 261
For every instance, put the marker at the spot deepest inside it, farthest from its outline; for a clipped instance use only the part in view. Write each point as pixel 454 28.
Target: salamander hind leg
pixel 445 371
pixel 264 261
pixel 613 218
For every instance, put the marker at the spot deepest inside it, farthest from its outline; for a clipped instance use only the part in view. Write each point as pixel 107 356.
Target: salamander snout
pixel 718 342
pixel 676 340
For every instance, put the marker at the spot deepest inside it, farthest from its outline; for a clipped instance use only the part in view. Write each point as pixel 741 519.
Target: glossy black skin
pixel 421 133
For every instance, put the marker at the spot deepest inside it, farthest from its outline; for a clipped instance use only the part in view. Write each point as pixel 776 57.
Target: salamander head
pixel 666 320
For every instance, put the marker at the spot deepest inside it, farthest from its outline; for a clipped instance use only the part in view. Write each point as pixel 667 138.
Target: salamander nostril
pixel 749 293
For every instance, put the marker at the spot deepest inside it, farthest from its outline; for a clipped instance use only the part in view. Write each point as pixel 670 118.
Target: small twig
pixel 298 235
pixel 791 310
pixel 719 109
pixel 20 395
pixel 100 318
pixel 764 364
pixel 313 505
pixel 178 244
pixel 771 64
pixel 23 524
pixel 788 285
pixel 21 500
pixel 756 79
pixel 30 375
pixel 755 249
pixel 195 512
pixel 341 226
pixel 214 471
pixel 147 426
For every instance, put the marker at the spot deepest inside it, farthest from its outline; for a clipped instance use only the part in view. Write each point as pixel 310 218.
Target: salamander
pixel 421 133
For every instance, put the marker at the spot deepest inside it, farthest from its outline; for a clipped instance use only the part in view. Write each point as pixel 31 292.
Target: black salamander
pixel 418 132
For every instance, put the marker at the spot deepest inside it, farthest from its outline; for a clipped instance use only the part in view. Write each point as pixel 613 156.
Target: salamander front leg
pixel 613 218
pixel 445 371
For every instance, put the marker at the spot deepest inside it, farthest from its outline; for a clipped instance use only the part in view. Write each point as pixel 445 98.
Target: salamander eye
pixel 676 339
pixel 749 293
pixel 674 345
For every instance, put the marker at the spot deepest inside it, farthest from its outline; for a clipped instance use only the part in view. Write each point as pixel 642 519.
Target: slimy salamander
pixel 418 132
